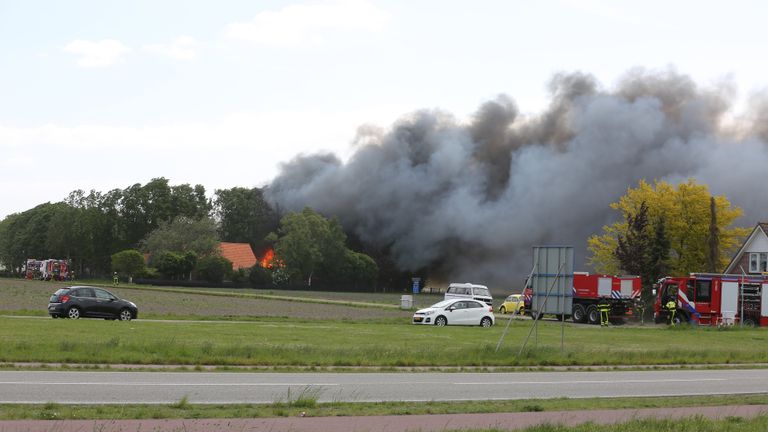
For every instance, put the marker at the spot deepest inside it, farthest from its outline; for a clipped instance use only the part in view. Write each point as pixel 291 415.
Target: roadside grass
pixel 339 343
pixel 692 424
pixel 307 402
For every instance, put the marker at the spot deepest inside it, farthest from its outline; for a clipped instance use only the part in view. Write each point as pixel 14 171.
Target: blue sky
pixel 104 94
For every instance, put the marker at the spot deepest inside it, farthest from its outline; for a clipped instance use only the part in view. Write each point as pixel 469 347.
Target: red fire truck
pixel 50 269
pixel 621 292
pixel 713 299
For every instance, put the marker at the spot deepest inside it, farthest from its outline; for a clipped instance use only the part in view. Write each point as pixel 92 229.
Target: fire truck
pixel 50 269
pixel 621 293
pixel 713 299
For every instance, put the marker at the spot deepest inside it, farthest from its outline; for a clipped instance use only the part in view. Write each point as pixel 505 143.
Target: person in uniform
pixel 605 308
pixel 115 279
pixel 671 307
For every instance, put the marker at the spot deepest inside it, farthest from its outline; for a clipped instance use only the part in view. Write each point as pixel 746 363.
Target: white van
pixel 468 290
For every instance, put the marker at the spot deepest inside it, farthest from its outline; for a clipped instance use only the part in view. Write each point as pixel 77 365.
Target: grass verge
pixel 693 424
pixel 354 344
pixel 293 405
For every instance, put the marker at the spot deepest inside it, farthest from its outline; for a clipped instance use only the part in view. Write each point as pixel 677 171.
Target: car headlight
pixel 429 312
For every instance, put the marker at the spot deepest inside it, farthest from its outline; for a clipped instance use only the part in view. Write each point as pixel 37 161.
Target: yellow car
pixel 513 304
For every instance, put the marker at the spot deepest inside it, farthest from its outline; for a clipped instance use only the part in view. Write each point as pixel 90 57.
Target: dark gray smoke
pixel 468 201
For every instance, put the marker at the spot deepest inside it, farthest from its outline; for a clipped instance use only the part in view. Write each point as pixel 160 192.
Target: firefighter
pixel 115 279
pixel 605 308
pixel 671 307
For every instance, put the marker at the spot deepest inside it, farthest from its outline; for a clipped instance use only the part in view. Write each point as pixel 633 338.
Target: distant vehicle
pixel 456 312
pixel 469 291
pixel 513 304
pixel 90 302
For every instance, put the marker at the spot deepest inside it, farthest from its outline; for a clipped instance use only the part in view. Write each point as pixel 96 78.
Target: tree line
pixel 178 228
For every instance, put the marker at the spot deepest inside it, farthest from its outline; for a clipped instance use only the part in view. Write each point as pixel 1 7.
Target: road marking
pixel 592 381
pixel 135 384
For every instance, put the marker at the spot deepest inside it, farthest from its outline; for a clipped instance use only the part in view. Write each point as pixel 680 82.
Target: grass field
pixel 338 343
pixel 22 297
pixel 289 407
pixel 348 331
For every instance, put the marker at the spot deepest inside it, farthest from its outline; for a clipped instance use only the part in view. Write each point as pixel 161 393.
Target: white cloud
pixel 103 53
pixel 306 24
pixel 240 149
pixel 181 48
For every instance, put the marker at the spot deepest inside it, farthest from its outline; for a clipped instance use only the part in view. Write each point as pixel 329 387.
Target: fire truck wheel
pixel 749 322
pixel 593 316
pixel 579 313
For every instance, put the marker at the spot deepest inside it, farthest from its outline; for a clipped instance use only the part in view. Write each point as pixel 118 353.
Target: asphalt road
pixel 237 387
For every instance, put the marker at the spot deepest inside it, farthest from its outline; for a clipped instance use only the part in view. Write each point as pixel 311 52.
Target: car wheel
pixel 486 322
pixel 503 310
pixel 593 315
pixel 579 313
pixel 73 313
pixel 125 315
pixel 521 311
pixel 441 321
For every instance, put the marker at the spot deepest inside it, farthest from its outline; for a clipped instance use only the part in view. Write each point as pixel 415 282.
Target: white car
pixel 456 312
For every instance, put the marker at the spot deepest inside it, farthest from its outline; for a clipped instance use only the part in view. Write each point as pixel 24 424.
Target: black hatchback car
pixel 90 302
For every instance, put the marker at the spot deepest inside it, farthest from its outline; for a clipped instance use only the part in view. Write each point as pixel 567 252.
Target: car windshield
pixel 443 303
pixel 482 292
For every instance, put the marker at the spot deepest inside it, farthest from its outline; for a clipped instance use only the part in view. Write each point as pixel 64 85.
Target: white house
pixel 752 257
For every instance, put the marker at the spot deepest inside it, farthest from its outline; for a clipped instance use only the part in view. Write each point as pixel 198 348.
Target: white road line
pixel 134 384
pixel 592 382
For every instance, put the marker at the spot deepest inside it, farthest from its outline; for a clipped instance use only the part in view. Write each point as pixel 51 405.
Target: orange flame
pixel 267 260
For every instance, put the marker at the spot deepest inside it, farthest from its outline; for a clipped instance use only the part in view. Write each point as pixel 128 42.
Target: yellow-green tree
pixel 686 212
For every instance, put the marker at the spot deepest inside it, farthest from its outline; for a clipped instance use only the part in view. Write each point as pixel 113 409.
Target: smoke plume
pixel 468 200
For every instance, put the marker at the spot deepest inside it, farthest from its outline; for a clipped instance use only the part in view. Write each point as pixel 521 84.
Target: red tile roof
pixel 240 254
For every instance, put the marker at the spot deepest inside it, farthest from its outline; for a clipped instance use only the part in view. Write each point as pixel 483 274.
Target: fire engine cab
pixel 714 299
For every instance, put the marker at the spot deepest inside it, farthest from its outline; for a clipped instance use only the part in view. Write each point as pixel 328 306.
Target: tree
pixel 129 262
pixel 183 235
pixel 170 264
pixel 310 246
pixel 632 249
pixel 244 216
pixel 303 239
pixel 214 268
pixel 659 254
pixel 684 210
pixel 713 252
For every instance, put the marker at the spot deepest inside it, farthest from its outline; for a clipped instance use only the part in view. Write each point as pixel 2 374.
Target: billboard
pixel 552 280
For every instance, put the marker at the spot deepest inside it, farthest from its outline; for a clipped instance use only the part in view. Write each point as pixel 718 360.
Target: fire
pixel 267 261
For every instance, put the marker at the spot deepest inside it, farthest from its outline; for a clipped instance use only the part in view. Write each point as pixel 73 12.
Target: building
pixel 752 257
pixel 240 254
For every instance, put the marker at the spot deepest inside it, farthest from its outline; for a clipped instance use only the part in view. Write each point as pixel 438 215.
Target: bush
pixel 260 276
pixel 239 275
pixel 148 273
pixel 213 268
pixel 130 262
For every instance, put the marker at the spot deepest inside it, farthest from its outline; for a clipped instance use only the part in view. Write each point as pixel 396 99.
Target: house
pixel 752 257
pixel 240 254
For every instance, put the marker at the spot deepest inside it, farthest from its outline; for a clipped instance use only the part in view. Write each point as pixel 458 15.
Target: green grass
pixel 291 405
pixel 693 424
pixel 22 297
pixel 336 343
